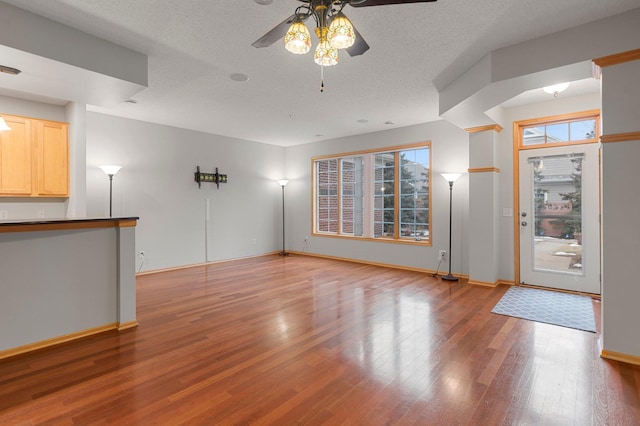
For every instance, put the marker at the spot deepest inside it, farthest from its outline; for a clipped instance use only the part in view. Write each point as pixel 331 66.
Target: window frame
pixel 369 195
pixel 520 126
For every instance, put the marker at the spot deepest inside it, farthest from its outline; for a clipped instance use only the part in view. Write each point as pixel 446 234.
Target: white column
pixel 483 205
pixel 620 207
pixel 126 276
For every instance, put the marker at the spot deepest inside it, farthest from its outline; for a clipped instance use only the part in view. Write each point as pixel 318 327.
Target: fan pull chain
pixel 321 79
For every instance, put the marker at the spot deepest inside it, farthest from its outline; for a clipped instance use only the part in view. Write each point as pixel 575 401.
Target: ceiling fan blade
pixel 275 34
pixel 366 3
pixel 359 47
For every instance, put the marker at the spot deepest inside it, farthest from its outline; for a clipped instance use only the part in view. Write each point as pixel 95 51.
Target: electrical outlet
pixel 253 241
pixel 442 254
pixel 4 214
pixel 306 239
pixel 141 254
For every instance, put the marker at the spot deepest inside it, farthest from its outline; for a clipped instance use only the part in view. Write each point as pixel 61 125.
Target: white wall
pixel 157 184
pixel 449 154
pixel 555 106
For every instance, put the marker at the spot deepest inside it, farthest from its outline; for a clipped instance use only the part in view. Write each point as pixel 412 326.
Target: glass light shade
pixel 110 170
pixel 4 125
pixel 451 177
pixel 556 88
pixel 325 55
pixel 283 182
pixel 341 33
pixel 298 39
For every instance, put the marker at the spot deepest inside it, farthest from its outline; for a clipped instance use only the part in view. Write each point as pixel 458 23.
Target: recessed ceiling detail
pixel 236 76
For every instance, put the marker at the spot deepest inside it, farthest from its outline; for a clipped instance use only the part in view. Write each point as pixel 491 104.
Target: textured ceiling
pixel 195 45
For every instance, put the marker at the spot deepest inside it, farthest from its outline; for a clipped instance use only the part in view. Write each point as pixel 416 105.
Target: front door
pixel 559 217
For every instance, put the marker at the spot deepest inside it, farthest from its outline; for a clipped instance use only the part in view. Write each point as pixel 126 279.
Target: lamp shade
pixel 341 34
pixel 325 55
pixel 3 125
pixel 298 39
pixel 110 170
pixel 283 182
pixel 451 177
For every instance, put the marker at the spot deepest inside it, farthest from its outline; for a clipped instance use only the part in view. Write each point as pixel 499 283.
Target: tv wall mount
pixel 216 177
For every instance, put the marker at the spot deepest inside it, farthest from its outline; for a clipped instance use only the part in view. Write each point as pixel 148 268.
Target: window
pixel 381 195
pixel 327 196
pixel 578 128
pixel 351 196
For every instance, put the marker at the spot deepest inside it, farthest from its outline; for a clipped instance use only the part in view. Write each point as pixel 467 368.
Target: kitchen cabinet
pixel 34 158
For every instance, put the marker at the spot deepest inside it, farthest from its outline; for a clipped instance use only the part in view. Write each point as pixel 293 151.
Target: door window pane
pixel 562 132
pixel 582 130
pixel 557 201
pixel 557 133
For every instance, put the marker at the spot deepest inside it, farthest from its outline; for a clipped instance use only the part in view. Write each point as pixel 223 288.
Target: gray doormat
pixel 551 307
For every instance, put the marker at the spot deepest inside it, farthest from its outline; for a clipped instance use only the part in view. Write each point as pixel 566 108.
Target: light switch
pixel 507 212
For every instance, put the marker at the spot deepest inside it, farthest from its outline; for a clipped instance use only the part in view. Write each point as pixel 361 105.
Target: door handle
pixel 523 223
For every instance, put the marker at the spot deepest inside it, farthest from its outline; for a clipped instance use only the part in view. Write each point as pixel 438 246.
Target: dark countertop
pixel 26 225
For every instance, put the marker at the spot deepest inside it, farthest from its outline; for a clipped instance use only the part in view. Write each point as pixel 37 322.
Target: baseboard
pixel 617 356
pixel 302 253
pixel 196 265
pixel 483 283
pixel 490 284
pixel 127 325
pixel 367 262
pixel 56 340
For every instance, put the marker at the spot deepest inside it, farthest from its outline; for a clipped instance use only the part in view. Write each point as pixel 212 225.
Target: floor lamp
pixel 283 183
pixel 451 178
pixel 111 172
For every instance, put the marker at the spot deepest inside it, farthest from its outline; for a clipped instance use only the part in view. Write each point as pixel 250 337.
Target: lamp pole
pixel 450 178
pixel 283 183
pixel 110 195
pixel 111 172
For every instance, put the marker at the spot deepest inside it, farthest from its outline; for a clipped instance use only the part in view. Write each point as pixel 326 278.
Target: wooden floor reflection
pixel 302 340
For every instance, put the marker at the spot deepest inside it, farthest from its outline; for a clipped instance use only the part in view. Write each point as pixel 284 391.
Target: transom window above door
pixel 567 130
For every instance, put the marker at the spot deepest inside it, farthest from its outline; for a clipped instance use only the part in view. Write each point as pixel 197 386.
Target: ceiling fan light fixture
pixel 556 88
pixel 298 38
pixel 341 34
pixel 325 55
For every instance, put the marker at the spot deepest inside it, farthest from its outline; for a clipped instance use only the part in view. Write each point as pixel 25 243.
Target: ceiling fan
pixel 333 29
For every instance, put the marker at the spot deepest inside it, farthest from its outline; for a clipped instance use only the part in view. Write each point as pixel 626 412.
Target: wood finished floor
pixel 301 340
